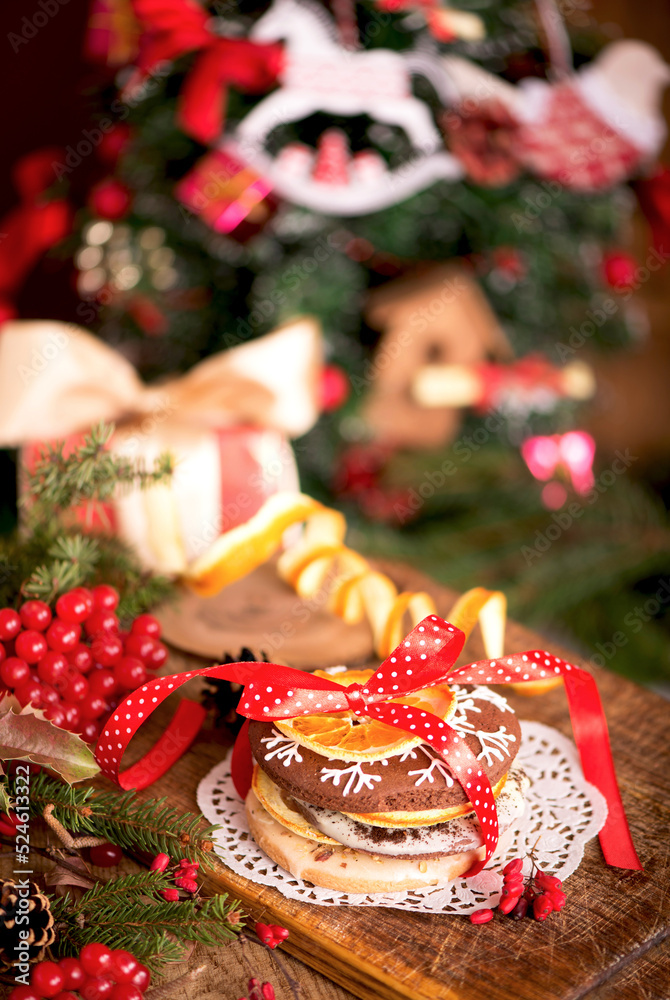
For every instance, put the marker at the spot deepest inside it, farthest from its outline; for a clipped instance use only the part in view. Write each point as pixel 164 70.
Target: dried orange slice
pixel 345 736
pixel 489 607
pixel 242 549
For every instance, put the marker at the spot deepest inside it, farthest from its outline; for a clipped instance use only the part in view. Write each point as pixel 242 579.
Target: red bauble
pixel 114 142
pixel 335 388
pixel 510 262
pixel 359 469
pixel 619 270
pixel 110 199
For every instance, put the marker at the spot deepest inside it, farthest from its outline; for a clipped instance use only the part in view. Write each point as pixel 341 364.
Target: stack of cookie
pixel 342 802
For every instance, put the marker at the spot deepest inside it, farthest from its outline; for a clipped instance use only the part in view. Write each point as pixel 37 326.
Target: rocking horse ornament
pixel 319 74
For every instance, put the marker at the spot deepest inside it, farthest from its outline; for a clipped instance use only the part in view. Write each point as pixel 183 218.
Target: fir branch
pixel 152 826
pixel 51 554
pixel 124 913
pixel 74 560
pixel 105 893
pixel 88 474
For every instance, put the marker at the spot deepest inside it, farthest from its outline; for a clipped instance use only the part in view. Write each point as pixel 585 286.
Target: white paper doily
pixel 562 809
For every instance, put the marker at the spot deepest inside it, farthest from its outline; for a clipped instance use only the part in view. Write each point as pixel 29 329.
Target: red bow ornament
pixel 424 658
pixel 175 27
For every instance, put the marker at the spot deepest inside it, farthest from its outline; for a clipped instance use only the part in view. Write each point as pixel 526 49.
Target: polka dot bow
pixel 425 657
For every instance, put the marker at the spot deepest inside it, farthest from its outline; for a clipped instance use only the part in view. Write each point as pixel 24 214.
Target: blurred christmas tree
pixel 261 161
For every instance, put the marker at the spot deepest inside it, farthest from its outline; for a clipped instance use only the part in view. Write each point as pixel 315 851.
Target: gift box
pixel 228 194
pixel 227 423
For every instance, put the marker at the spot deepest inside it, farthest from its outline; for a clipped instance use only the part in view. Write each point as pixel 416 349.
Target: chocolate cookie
pixel 415 781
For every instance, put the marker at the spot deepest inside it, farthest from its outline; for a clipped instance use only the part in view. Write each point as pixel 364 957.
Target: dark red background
pixel 44 103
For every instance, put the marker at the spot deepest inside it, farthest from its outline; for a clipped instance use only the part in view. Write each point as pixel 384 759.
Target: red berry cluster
pixel 76 664
pixel 184 874
pixel 537 896
pixel 97 974
pixel 271 934
pixel 259 991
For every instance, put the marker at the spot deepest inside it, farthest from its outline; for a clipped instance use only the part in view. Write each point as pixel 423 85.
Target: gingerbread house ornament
pixel 439 317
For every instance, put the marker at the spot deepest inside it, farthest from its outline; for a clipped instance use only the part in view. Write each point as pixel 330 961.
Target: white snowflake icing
pixel 426 773
pixel 283 748
pixel 356 775
pixel 465 703
pixel 493 744
pixel 459 720
pixel 484 693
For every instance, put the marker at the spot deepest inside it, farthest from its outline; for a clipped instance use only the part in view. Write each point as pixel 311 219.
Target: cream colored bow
pixel 57 379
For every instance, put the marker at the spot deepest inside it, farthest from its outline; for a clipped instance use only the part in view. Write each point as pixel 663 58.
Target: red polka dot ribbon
pixel 425 657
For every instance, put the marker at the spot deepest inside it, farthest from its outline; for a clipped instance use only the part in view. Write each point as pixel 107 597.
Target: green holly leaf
pixel 5 801
pixel 25 734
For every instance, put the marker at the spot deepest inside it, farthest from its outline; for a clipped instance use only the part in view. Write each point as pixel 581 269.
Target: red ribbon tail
pixel 242 763
pixel 174 742
pixel 203 98
pixel 591 735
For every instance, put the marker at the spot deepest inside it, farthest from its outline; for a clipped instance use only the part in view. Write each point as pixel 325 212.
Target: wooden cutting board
pixel 615 923
pixel 264 614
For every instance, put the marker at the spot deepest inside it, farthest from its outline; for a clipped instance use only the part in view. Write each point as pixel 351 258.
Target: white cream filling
pixel 460 834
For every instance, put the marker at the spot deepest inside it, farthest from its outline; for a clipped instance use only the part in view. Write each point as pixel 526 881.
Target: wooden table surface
pixel 610 941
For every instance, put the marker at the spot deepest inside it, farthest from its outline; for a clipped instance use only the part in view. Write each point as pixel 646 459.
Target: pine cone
pixel 222 697
pixel 40 923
